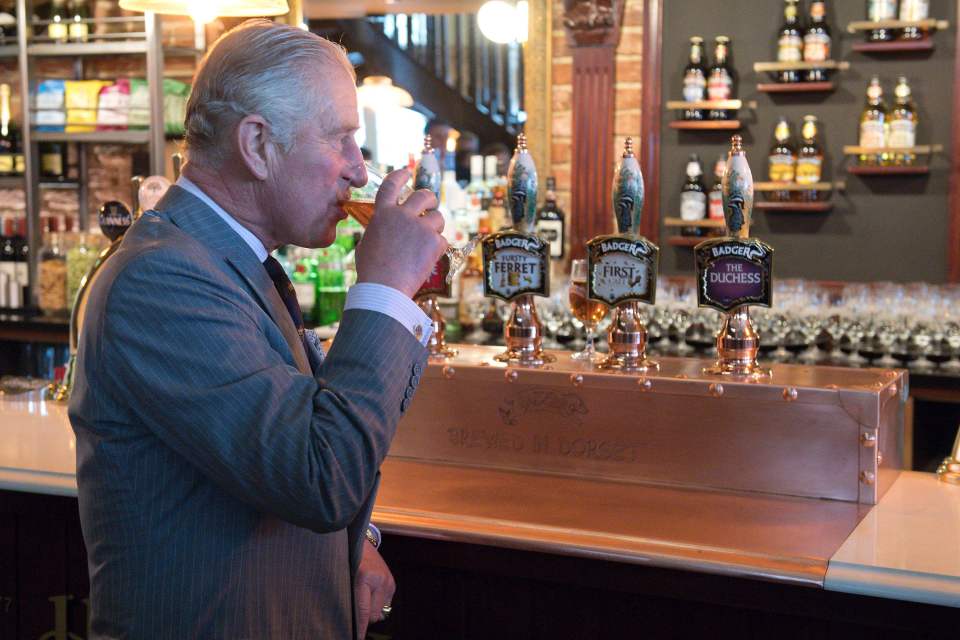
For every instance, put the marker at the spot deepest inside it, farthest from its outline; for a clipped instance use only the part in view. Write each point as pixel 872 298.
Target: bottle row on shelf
pixel 803 61
pixel 61 21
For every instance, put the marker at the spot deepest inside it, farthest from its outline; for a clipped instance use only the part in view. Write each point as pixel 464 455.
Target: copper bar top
pixel 780 539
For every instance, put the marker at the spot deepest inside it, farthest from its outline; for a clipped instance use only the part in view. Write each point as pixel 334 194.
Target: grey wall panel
pixel 881 228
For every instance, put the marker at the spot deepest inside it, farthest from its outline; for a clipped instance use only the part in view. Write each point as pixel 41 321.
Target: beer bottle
pixel 873 125
pixel 715 199
pixel 720 82
pixel 550 221
pixel 782 161
pixel 694 79
pixel 790 42
pixel 878 10
pixel 809 158
pixel 817 40
pixel 903 124
pixel 693 197
pixel 914 10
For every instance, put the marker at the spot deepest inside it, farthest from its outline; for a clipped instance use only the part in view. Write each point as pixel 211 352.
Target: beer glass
pixel 589 312
pixel 360 206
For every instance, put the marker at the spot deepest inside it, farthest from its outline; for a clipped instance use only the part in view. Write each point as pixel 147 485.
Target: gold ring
pixel 387 609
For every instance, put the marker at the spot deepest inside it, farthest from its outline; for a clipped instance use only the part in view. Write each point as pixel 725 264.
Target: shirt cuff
pixel 387 300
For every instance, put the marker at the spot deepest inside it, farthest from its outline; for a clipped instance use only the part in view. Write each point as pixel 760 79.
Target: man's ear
pixel 254 146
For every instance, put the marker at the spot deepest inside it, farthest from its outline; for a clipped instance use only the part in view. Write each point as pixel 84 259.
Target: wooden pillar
pixel 593 32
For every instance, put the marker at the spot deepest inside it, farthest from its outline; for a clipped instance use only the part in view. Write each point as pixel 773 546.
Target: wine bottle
pixel 720 83
pixel 817 41
pixel 693 197
pixel 790 42
pixel 694 79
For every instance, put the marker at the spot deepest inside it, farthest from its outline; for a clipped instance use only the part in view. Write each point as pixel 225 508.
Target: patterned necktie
pixel 289 297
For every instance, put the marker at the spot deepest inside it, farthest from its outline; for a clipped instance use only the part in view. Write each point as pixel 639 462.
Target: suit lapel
pixel 197 219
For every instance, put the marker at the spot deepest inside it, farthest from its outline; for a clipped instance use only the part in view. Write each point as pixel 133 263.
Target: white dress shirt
pixel 363 295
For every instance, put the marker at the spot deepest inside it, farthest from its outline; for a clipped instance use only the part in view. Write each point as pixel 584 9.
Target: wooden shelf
pixel 762 187
pixel 773 67
pixel 703 224
pixel 72 49
pixel 894 46
pixel 9 51
pixel 796 87
pixel 684 241
pixel 930 24
pixel 799 207
pixel 12 182
pixel 726 105
pixel 706 125
pixel 918 150
pixel 867 170
pixel 102 137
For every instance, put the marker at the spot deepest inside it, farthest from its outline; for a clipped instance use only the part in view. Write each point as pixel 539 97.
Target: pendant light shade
pixel 225 8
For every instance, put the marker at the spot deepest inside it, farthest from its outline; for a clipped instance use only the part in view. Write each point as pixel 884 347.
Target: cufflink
pixel 418 332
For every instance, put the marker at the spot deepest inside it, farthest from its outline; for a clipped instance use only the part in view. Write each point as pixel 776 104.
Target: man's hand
pixel 403 241
pixel 373 588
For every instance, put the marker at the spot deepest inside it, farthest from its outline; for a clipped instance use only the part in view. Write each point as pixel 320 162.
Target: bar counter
pixel 904 548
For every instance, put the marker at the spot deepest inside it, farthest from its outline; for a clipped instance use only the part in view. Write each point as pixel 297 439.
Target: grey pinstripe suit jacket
pixel 223 484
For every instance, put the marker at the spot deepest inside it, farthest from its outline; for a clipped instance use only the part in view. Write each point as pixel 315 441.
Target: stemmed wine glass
pixel 360 206
pixel 589 312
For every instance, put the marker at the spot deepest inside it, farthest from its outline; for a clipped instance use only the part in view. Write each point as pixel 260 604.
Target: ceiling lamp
pixel 379 91
pixel 225 8
pixel 503 21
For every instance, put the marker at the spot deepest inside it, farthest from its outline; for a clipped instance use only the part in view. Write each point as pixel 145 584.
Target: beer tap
pixel 622 270
pixel 427 176
pixel 734 272
pixel 516 264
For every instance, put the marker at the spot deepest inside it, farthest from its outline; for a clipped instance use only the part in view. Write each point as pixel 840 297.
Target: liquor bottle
pixel 8 137
pixel 903 124
pixel 59 28
pixel 21 249
pixel 914 10
pixel 497 211
pixel 53 161
pixel 551 221
pixel 878 10
pixel 693 197
pixel 873 124
pixel 304 280
pixel 817 41
pixel 715 205
pixel 720 82
pixel 695 79
pixel 7 261
pixel 476 192
pixel 78 12
pixel 809 158
pixel 790 42
pixel 472 303
pixel 782 161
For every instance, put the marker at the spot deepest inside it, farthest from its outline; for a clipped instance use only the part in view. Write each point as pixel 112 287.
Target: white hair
pixel 264 68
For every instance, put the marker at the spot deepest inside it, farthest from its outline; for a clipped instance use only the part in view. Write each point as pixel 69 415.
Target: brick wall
pixel 629 70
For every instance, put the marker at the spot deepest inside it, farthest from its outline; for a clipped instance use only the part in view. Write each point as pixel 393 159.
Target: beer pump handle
pixel 628 192
pixel 737 188
pixel 522 188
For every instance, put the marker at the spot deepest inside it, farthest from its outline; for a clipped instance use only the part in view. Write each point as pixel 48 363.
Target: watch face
pixel 622 268
pixel 732 273
pixel 515 264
